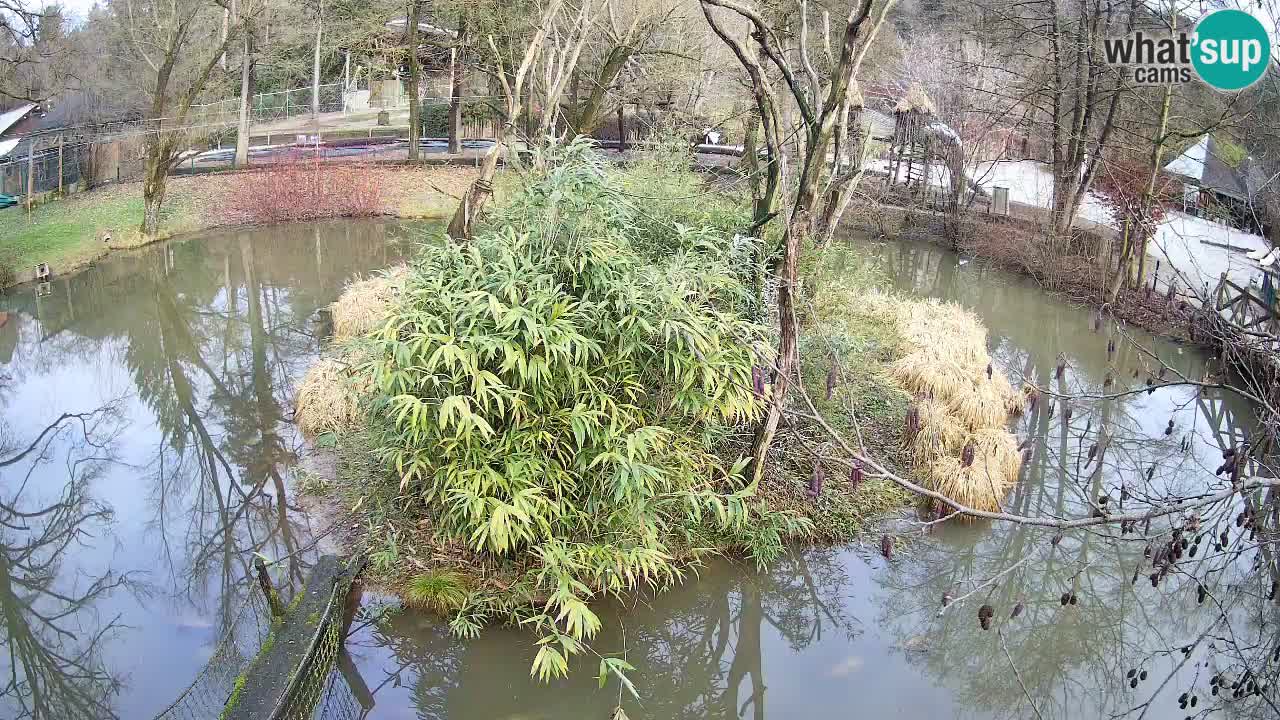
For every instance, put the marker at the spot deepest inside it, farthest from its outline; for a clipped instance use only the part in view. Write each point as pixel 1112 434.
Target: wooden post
pixel 264 582
pixel 60 144
pixel 622 129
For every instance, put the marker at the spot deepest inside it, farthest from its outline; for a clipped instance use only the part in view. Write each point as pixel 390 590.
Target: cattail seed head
pixel 886 547
pixel 815 483
pixel 985 614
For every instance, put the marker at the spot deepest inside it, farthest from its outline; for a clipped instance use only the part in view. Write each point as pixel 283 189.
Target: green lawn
pixel 66 233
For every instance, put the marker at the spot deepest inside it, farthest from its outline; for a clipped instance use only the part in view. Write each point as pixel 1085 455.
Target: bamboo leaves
pixel 552 397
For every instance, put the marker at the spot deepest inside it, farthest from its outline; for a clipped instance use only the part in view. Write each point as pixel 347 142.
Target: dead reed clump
pixel 328 399
pixel 366 303
pixel 961 445
pixel 985 481
pixel 939 433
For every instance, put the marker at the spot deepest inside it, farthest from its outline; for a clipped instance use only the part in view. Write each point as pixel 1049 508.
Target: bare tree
pixel 823 104
pixel 178 43
pixel 32 57
pixel 464 219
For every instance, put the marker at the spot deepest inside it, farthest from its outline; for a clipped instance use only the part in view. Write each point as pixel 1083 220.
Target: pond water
pixel 127 527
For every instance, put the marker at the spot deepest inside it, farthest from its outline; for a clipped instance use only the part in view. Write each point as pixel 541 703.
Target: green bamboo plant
pixel 555 398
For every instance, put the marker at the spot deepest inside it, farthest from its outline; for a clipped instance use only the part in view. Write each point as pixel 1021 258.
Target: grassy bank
pixel 70 233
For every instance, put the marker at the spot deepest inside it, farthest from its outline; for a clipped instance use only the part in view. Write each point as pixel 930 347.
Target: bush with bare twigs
pixel 302 190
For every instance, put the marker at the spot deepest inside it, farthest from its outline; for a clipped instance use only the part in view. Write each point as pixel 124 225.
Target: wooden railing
pixel 1248 311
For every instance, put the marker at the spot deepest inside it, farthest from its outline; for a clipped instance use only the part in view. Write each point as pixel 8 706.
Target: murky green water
pixel 126 532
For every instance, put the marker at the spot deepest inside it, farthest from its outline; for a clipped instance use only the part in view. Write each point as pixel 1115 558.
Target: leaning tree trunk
pixel 591 115
pixel 464 218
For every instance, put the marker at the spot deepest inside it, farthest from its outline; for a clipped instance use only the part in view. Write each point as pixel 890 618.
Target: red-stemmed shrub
pixel 1122 187
pixel 303 189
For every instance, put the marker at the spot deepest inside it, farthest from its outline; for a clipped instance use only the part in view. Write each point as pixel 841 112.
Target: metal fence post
pixel 31 175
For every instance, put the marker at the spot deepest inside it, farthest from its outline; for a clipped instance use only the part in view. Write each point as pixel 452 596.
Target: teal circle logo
pixel 1231 49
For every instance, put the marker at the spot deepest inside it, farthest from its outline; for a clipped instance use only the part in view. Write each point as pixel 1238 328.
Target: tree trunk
pixel 246 92
pixel 415 72
pixel 591 116
pixel 315 71
pixel 153 188
pixel 462 225
pixel 455 92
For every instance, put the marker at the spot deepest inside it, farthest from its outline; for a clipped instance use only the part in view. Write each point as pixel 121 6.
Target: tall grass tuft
pixel 440 591
pixel 962 402
pixel 366 303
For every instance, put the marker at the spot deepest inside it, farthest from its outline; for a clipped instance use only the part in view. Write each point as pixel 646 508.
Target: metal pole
pixel 31 176
pixel 346 78
pixel 60 190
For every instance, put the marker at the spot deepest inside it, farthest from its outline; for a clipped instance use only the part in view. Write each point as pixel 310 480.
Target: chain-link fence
pixel 206 696
pixel 271 106
pixel 32 168
pixel 289 668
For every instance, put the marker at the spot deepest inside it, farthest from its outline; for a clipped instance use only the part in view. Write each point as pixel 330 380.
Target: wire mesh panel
pixel 289 668
pixel 207 694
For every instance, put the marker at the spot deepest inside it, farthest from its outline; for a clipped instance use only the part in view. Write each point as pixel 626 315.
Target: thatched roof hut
pixel 916 100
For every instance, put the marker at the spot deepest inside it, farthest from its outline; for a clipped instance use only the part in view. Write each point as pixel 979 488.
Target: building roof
pixel 1203 163
pixel 11 118
pixel 878 124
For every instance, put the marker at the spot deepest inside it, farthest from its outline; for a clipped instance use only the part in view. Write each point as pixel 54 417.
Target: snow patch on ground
pixel 1031 183
pixel 1202 250
pixel 1198 249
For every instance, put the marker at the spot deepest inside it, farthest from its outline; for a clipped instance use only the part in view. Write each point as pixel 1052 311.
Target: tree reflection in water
pixel 698 650
pixel 50 665
pixel 205 338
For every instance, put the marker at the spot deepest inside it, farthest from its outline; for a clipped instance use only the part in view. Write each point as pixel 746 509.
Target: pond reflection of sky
pixel 128 529
pixel 184 358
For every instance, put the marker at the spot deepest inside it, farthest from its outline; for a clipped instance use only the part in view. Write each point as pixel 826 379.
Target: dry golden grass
pixel 328 399
pixel 366 303
pixel 940 433
pixel 945 366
